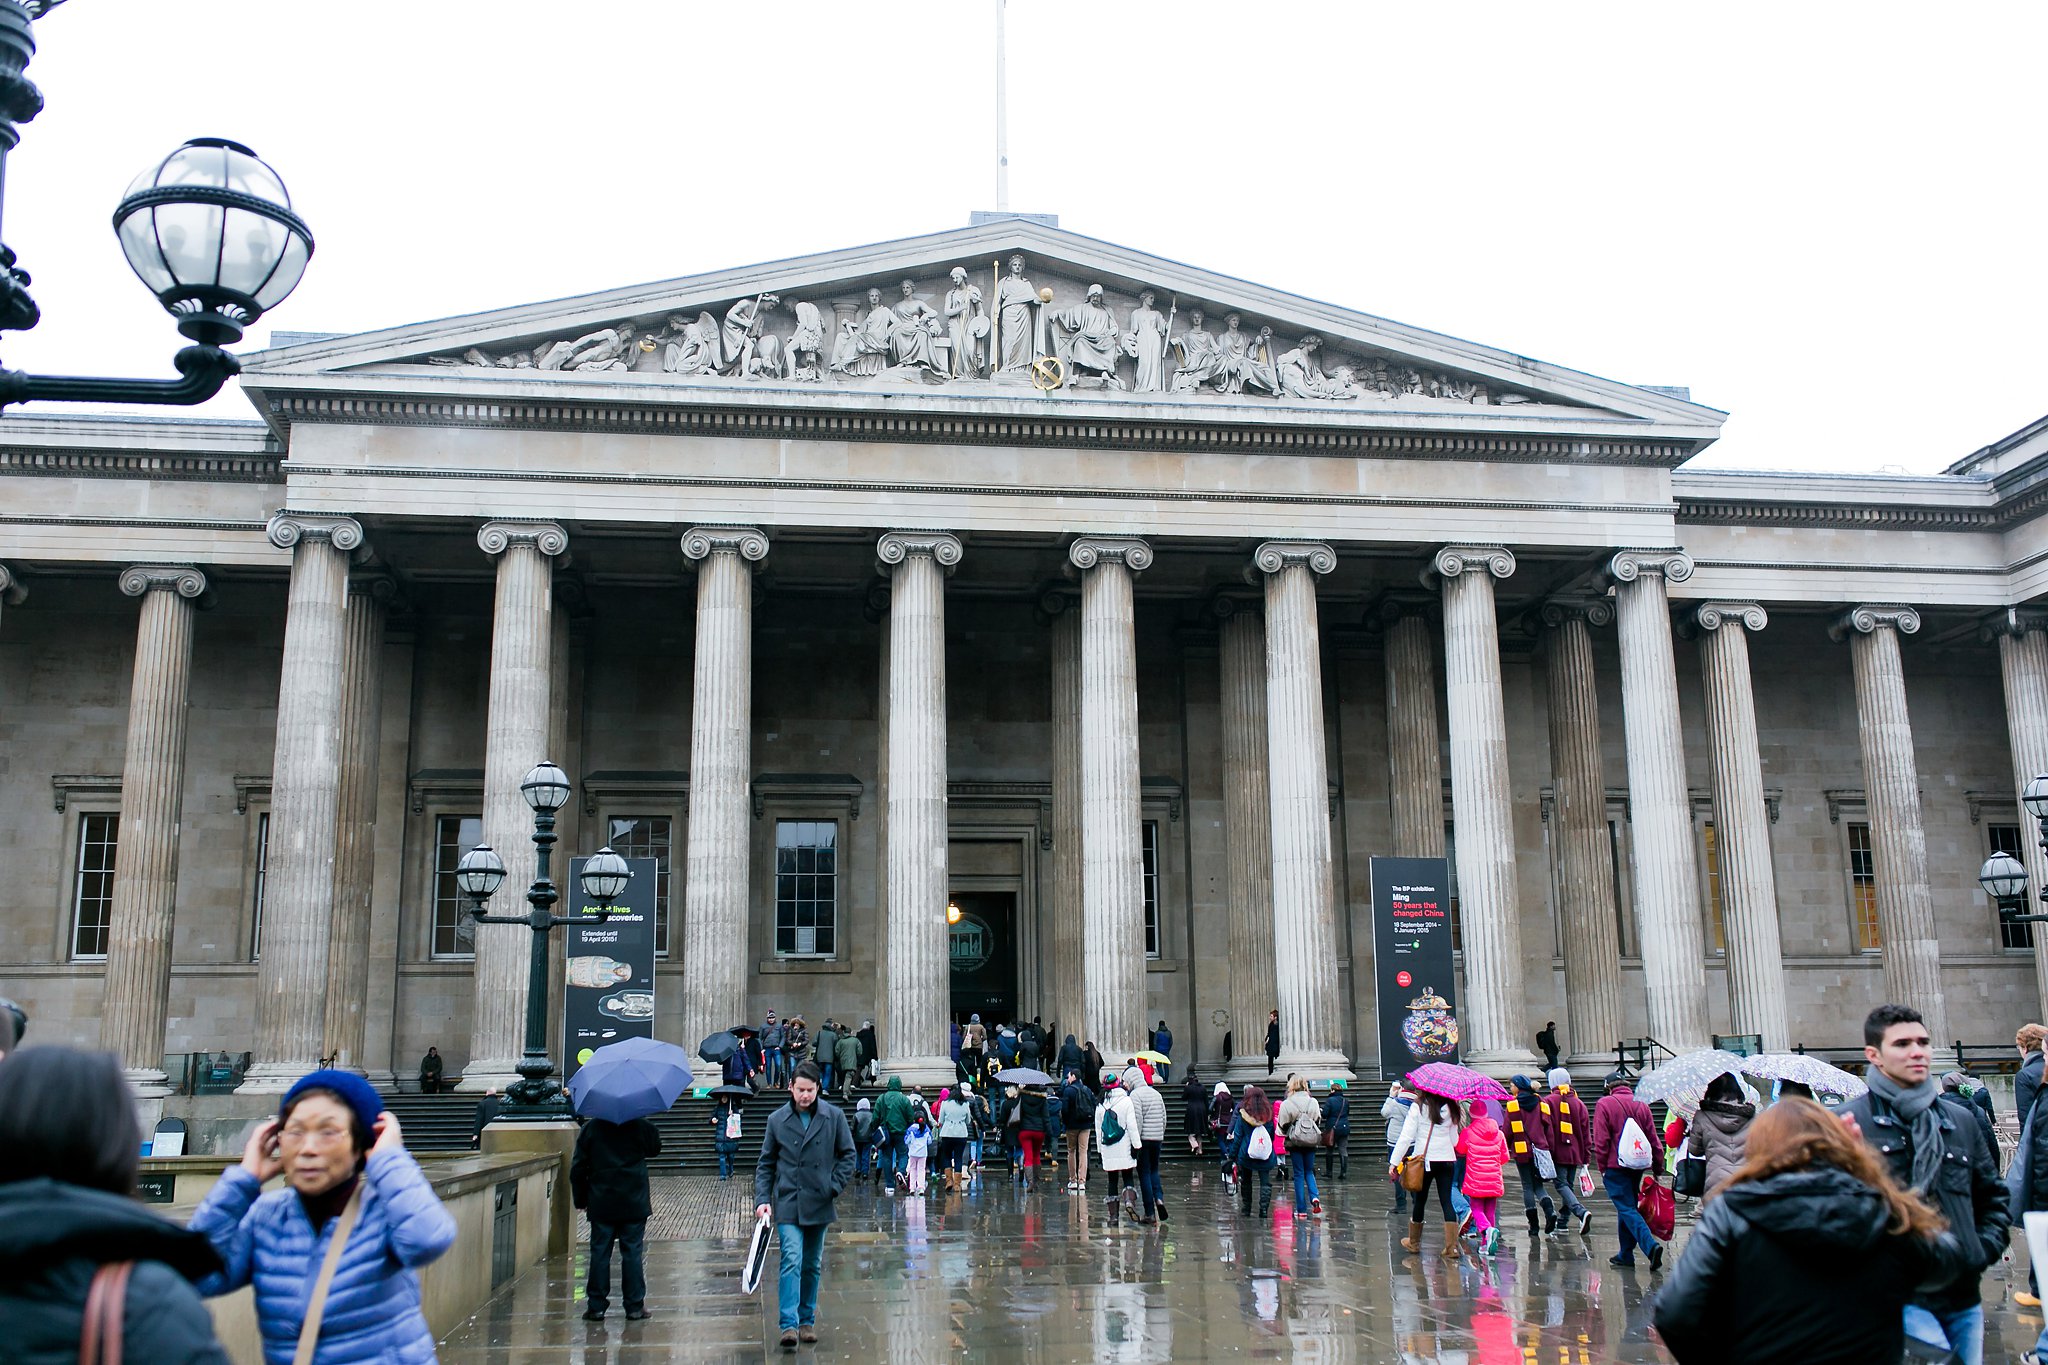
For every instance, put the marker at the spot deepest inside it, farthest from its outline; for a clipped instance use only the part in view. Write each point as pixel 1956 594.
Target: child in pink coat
pixel 1485 1150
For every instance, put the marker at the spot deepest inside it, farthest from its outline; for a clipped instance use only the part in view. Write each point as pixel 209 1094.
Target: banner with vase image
pixel 1417 988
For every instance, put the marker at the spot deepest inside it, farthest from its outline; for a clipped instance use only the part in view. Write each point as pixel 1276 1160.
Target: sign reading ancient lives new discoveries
pixel 1411 936
pixel 609 994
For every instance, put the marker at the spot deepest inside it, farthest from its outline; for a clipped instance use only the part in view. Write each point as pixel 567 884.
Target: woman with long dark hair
pixel 1254 1146
pixel 1430 1133
pixel 1806 1254
pixel 68 1156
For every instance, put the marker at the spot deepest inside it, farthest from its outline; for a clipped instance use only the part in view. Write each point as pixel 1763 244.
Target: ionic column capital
pixel 943 548
pixel 1711 616
pixel 1870 617
pixel 2014 621
pixel 288 528
pixel 1453 560
pixel 1054 600
pixel 701 542
pixel 1225 603
pixel 1555 611
pixel 1626 566
pixel 496 537
pixel 1088 551
pixel 12 590
pixel 183 579
pixel 1275 555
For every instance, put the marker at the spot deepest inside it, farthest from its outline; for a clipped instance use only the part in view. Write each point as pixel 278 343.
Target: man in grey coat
pixel 806 1160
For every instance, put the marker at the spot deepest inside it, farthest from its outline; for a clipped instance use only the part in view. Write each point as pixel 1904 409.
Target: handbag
pixel 1689 1173
pixel 1546 1165
pixel 1414 1174
pixel 309 1334
pixel 105 1304
pixel 1657 1206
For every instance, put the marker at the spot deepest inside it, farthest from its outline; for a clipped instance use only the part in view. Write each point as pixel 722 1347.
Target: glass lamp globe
pixel 210 230
pixel 2035 797
pixel 480 872
pixel 546 787
pixel 2003 877
pixel 605 875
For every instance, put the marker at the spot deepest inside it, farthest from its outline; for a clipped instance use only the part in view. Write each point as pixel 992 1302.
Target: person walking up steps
pixel 1301 1123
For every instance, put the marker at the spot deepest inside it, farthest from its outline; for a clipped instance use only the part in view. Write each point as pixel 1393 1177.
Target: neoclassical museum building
pixel 1124 608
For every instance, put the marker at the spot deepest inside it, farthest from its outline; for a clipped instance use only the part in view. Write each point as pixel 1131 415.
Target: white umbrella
pixel 1811 1072
pixel 1682 1082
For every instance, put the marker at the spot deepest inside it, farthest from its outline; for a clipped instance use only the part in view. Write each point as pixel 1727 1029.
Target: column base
pixel 1250 1070
pixel 1505 1063
pixel 922 1071
pixel 1314 1066
pixel 148 1082
pixel 479 1077
pixel 274 1078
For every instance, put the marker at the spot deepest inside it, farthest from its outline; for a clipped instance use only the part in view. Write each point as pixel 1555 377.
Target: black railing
pixel 204 1073
pixel 1640 1054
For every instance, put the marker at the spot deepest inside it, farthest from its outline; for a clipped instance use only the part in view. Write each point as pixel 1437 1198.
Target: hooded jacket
pixel 1151 1110
pixel 894 1109
pixel 1071 1057
pixel 1720 1133
pixel 58 1235
pixel 1118 1155
pixel 1796 1267
pixel 1486 1158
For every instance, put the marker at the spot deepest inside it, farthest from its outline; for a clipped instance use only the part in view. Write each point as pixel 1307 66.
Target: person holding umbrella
pixel 1429 1133
pixel 806 1160
pixel 608 1181
pixel 728 1103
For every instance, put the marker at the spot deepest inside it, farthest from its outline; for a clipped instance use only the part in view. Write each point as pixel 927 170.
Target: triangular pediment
pixel 1070 324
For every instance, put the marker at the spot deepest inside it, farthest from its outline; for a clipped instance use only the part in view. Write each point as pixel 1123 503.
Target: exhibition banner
pixel 609 992
pixel 1411 937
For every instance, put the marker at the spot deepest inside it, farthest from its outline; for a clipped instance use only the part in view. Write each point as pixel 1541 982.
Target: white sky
pixel 1825 219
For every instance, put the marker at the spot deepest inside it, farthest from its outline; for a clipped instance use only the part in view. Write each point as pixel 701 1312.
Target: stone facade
pixel 993 509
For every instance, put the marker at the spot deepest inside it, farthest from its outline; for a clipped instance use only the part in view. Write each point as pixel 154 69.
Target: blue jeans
pixel 803 1257
pixel 1304 1164
pixel 632 1241
pixel 1621 1188
pixel 825 1077
pixel 1961 1331
pixel 1149 1188
pixel 725 1151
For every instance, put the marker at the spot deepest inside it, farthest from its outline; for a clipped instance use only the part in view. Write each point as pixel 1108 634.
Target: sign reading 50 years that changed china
pixel 1411 930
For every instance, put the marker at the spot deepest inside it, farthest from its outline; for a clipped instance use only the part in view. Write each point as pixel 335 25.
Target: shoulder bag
pixel 1689 1176
pixel 316 1307
pixel 105 1304
pixel 1414 1172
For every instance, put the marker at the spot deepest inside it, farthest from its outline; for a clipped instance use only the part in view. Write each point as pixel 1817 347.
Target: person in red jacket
pixel 1611 1119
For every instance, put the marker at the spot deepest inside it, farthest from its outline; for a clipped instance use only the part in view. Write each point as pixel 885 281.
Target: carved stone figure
pixel 1201 360
pixel 1145 342
pixel 800 355
pixel 749 351
pixel 1015 301
pixel 1245 360
pixel 1301 376
pixel 610 349
pixel 862 350
pixel 917 327
pixel 690 347
pixel 1088 338
pixel 966 325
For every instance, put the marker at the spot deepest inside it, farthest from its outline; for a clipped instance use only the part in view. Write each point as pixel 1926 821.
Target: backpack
pixel 1306 1132
pixel 1112 1127
pixel 1631 1148
pixel 1259 1146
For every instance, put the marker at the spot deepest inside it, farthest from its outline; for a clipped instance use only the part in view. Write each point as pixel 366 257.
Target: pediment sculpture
pixel 1013 332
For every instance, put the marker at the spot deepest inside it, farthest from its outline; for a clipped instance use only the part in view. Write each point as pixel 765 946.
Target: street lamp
pixel 209 228
pixel 2003 877
pixel 535 1096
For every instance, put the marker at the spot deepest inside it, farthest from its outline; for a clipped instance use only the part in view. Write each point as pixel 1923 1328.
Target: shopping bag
pixel 757 1256
pixel 1586 1182
pixel 1546 1165
pixel 1657 1206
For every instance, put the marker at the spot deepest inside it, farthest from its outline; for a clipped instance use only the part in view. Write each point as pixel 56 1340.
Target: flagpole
pixel 1002 118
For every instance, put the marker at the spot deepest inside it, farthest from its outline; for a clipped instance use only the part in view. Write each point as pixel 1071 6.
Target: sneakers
pixel 1656 1259
pixel 1315 1206
pixel 1585 1222
pixel 593 1315
pixel 1625 1262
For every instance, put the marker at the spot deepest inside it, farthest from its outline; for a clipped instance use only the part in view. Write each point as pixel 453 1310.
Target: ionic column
pixel 1585 854
pixel 1742 824
pixel 2023 663
pixel 917 965
pixel 1304 903
pixel 305 790
pixel 515 739
pixel 1666 875
pixel 1490 914
pixel 715 907
pixel 152 796
pixel 1415 765
pixel 1112 856
pixel 348 933
pixel 1069 937
pixel 1247 829
pixel 1898 841
pixel 12 591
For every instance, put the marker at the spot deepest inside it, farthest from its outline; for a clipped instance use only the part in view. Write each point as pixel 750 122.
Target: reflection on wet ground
pixel 1000 1275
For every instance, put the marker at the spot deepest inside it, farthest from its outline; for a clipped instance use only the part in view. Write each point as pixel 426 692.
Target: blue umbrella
pixel 630 1079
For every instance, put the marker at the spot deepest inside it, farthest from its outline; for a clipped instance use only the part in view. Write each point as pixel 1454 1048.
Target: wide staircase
pixel 445 1123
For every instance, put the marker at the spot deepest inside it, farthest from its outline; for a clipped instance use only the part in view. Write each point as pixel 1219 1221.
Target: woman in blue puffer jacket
pixel 333 1143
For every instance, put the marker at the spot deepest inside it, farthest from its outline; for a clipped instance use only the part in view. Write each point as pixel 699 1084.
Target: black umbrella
pixel 743 1030
pixel 718 1047
pixel 739 1091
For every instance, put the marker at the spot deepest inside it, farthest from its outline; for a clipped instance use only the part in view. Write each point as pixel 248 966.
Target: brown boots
pixel 1413 1241
pixel 1452 1251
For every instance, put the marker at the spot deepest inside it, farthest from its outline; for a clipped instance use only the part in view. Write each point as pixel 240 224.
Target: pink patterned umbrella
pixel 1454 1082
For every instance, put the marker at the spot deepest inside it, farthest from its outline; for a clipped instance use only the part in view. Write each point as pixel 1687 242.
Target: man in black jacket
pixel 608 1180
pixel 806 1160
pixel 1933 1146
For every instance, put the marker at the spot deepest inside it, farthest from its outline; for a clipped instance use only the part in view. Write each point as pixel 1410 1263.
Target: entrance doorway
pixel 983 949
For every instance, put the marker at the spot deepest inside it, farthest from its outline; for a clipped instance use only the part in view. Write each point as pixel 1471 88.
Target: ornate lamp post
pixel 536 1096
pixel 2003 877
pixel 209 229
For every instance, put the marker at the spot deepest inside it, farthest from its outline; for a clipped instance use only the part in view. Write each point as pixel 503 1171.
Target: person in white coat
pixel 1431 1132
pixel 1116 1138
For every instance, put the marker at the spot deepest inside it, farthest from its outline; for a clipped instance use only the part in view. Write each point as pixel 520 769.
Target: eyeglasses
pixel 298 1136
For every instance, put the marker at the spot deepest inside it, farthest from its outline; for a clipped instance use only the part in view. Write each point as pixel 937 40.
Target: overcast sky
pixel 1826 219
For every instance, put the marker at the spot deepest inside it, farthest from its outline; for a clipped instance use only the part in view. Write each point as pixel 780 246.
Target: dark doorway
pixel 983 943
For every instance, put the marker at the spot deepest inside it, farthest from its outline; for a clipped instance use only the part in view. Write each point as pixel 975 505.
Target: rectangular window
pixel 92 887
pixel 1151 847
pixel 2006 839
pixel 1451 862
pixel 806 888
pixel 1622 927
pixel 454 931
pixel 647 836
pixel 1863 889
pixel 1717 925
pixel 256 900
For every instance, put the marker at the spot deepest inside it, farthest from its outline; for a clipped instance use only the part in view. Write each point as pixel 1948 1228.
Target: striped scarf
pixel 1564 1111
pixel 1516 1132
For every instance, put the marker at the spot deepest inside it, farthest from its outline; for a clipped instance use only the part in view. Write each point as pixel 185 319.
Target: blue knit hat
pixel 358 1094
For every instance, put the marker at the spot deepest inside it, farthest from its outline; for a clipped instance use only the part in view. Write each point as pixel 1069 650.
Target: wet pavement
pixel 1001 1275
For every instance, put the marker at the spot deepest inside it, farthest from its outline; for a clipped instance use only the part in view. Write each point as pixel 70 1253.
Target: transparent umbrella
pixel 1682 1082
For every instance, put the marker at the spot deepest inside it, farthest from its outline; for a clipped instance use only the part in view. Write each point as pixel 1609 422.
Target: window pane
pixel 92 899
pixel 1863 889
pixel 648 836
pixel 262 875
pixel 1151 862
pixel 454 932
pixel 806 887
pixel 1451 859
pixel 2006 839
pixel 1717 927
